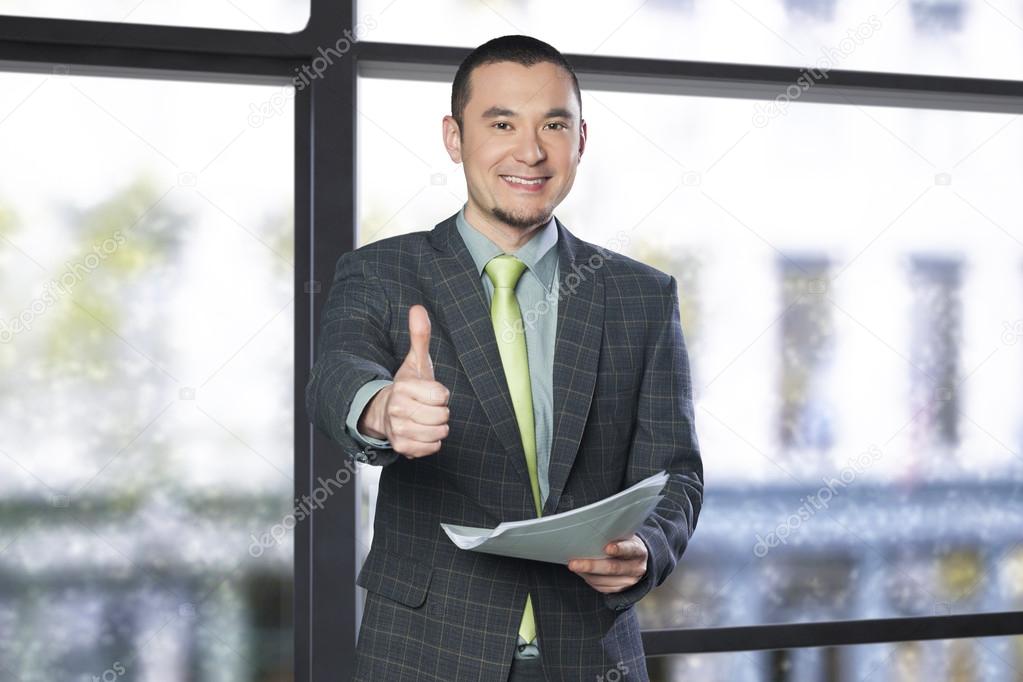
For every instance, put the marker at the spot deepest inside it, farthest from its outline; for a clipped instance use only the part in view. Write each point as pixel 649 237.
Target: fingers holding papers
pixel 625 566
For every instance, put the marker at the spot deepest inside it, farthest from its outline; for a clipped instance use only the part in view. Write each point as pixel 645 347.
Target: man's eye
pixel 558 123
pixel 501 123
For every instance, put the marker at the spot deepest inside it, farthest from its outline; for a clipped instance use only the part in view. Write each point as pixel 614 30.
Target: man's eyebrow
pixel 557 112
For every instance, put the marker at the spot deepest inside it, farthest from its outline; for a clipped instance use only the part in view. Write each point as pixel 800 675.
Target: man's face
pixel 521 141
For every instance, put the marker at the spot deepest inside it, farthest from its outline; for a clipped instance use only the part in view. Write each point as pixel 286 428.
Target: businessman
pixel 497 367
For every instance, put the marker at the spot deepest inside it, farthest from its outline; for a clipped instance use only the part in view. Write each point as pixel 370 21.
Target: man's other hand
pixel 625 566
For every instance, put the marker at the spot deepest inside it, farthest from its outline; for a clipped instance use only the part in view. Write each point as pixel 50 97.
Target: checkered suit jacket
pixel 623 411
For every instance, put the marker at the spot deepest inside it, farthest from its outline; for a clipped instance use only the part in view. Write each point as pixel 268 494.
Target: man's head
pixel 516 115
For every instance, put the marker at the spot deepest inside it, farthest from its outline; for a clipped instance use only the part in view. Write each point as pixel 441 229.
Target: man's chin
pixel 520 221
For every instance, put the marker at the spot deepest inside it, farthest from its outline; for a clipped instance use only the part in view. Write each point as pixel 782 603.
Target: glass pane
pixel 991 659
pixel 981 38
pixel 850 282
pixel 146 374
pixel 284 16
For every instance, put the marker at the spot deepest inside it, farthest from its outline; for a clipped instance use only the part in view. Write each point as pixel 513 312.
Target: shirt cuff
pixel 619 601
pixel 362 398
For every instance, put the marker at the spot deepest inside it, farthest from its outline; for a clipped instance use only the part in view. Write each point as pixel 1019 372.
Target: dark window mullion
pixel 830 633
pixel 325 576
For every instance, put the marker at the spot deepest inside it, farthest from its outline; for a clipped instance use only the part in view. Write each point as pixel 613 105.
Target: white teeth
pixel 520 181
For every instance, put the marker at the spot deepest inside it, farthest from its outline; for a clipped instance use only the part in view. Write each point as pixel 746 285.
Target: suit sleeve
pixel 665 439
pixel 354 349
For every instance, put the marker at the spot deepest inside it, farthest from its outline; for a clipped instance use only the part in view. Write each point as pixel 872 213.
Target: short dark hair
pixel 520 49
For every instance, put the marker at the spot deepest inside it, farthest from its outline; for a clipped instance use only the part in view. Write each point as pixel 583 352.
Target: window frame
pixel 325 607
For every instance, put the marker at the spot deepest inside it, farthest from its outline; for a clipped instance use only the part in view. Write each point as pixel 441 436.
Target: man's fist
pixel 412 412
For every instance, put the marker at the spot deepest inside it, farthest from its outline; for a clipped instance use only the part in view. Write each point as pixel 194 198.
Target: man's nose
pixel 529 149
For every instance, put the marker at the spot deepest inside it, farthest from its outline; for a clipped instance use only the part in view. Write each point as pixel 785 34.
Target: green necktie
pixel 504 272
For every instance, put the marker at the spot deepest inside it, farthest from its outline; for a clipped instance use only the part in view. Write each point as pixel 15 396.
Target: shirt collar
pixel 539 253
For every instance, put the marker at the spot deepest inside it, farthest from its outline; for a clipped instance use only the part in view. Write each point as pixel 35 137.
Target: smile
pixel 527 184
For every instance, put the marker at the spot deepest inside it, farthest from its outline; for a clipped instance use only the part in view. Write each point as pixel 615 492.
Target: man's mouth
pixel 524 182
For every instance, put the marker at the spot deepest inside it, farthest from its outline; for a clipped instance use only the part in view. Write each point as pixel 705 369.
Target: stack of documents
pixel 576 534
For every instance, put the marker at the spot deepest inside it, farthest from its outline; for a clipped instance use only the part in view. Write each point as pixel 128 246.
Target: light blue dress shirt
pixel 537 295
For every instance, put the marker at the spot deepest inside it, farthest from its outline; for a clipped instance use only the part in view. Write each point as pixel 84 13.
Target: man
pixel 498 367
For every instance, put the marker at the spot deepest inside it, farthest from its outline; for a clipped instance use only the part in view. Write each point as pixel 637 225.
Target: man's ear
pixel 582 137
pixel 452 141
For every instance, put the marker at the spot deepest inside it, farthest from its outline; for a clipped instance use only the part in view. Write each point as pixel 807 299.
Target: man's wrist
pixel 371 420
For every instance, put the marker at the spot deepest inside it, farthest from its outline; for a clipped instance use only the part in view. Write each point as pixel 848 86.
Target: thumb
pixel 419 332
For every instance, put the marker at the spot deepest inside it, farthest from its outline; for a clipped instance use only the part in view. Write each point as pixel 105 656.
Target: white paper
pixel 575 534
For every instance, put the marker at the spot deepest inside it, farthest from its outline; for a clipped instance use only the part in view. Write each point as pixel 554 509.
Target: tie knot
pixel 504 271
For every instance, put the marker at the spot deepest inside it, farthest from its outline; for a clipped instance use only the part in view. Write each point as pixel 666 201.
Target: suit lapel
pixel 462 302
pixel 576 351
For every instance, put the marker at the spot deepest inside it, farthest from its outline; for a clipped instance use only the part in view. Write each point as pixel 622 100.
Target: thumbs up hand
pixel 412 412
pixel 417 363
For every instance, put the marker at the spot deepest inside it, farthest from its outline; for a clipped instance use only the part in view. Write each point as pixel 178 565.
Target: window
pixel 937 16
pixel 937 338
pixel 978 38
pixel 807 411
pixel 146 365
pixel 961 660
pixel 262 15
pixel 879 203
pixel 791 241
pixel 812 9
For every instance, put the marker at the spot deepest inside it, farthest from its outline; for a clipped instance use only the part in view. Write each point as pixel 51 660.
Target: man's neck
pixel 509 238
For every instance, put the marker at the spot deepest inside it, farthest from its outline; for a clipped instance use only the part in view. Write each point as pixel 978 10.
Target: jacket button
pixel 434 609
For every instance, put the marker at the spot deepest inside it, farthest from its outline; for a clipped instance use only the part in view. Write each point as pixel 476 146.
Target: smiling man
pixel 499 368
